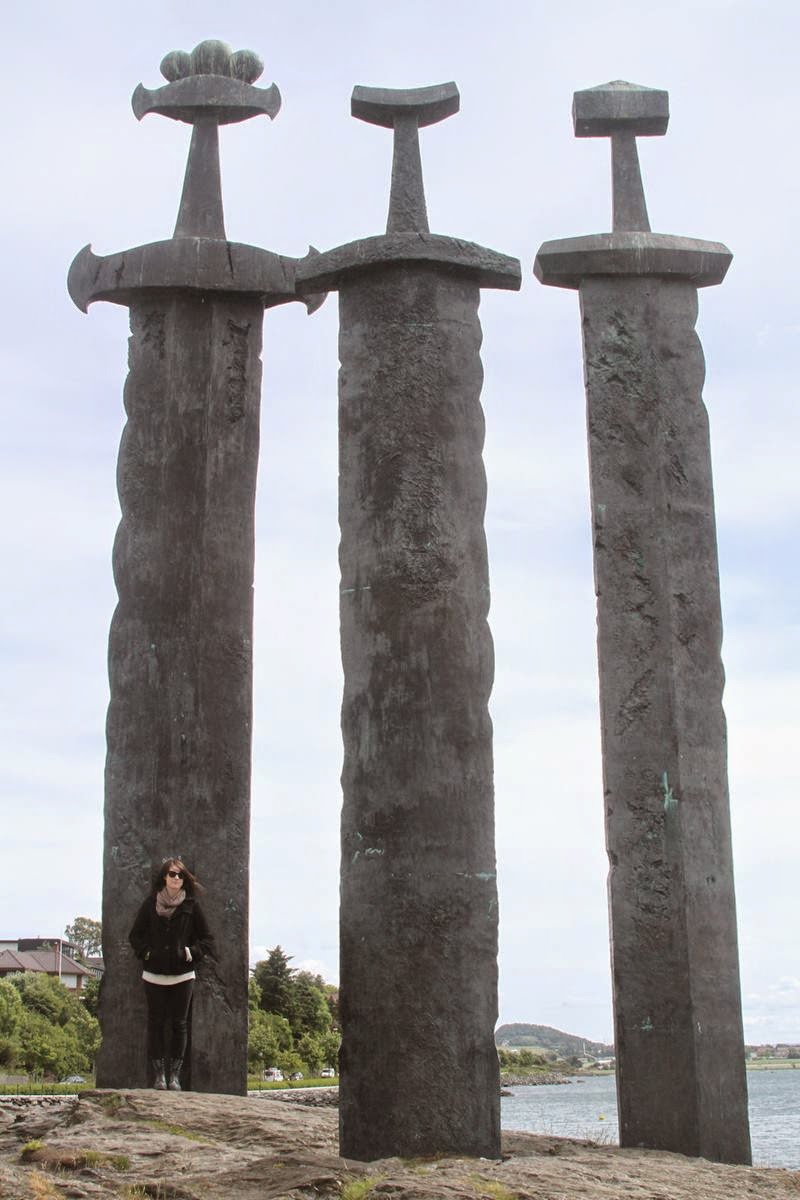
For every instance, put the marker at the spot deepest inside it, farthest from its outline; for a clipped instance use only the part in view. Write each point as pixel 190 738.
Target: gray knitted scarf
pixel 166 904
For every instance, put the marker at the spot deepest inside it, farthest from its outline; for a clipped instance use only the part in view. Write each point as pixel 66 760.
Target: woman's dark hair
pixel 190 884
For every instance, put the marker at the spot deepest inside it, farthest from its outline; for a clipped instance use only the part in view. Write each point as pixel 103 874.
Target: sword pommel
pixel 382 106
pixel 211 80
pixel 623 111
pixel 405 110
pixel 619 106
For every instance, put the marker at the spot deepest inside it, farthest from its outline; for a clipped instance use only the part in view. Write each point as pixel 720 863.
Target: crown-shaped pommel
pixel 211 80
pixel 623 111
pixel 406 111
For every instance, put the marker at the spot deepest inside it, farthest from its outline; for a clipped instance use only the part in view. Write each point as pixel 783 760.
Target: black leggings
pixel 167 1017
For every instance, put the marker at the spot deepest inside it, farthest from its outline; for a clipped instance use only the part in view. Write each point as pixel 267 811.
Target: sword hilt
pixel 623 111
pixel 406 110
pixel 209 87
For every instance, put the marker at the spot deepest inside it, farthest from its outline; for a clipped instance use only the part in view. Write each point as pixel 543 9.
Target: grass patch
pixel 149 1191
pixel 491 1187
pixel 191 1135
pixel 72 1160
pixel 358 1189
pixel 92 1158
pixel 95 1158
pixel 160 1190
pixel 45 1089
pixel 41 1187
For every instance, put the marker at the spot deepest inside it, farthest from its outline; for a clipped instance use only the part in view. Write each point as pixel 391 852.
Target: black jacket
pixel 160 942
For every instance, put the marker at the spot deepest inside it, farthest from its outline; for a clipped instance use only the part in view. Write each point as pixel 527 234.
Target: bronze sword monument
pixel 180 647
pixel 418 982
pixel 677 1006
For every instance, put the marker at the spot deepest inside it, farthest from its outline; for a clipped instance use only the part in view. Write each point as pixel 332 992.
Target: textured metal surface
pixel 180 655
pixel 419 1072
pixel 678 1026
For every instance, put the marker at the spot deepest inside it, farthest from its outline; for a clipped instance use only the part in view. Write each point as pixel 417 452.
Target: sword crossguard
pixel 209 87
pixel 406 110
pixel 623 111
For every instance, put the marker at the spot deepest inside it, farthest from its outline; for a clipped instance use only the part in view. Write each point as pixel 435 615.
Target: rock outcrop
pixel 191 1146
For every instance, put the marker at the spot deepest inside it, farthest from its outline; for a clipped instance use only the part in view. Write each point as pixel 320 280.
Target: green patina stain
pixel 670 799
pixel 647 1025
pixel 373 850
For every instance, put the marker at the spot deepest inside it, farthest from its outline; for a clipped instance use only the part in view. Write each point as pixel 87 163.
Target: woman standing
pixel 170 936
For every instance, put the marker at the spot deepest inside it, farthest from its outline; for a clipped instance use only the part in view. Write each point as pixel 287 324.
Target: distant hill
pixel 553 1041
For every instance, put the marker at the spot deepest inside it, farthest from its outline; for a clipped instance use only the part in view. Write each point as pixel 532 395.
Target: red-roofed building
pixel 45 962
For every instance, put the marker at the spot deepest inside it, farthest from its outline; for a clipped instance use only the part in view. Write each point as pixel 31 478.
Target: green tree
pixel 86 1029
pixel 43 994
pixel 332 998
pixel 90 994
pixel 290 1062
pixel 86 934
pixel 330 1049
pixel 308 1005
pixel 280 1029
pixel 310 1050
pixel 9 1051
pixel 49 1049
pixel 11 1010
pixel 11 1017
pixel 262 1045
pixel 56 1035
pixel 274 978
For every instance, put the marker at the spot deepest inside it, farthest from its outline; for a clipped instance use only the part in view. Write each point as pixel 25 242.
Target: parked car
pixel 273 1075
pixel 73 1079
pixel 327 1073
pixel 296 1075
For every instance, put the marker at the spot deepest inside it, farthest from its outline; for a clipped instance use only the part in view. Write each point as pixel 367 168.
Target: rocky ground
pixel 186 1146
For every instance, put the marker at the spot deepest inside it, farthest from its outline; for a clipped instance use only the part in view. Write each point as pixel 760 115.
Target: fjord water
pixel 587 1108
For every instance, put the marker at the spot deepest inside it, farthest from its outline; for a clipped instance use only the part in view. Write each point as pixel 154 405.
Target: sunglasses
pixel 175 874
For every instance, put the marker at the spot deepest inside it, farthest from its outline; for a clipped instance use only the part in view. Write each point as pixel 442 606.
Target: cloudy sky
pixel 505 172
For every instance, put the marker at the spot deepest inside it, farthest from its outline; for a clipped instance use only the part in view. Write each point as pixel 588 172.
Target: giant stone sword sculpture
pixel 678 1026
pixel 180 648
pixel 418 994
